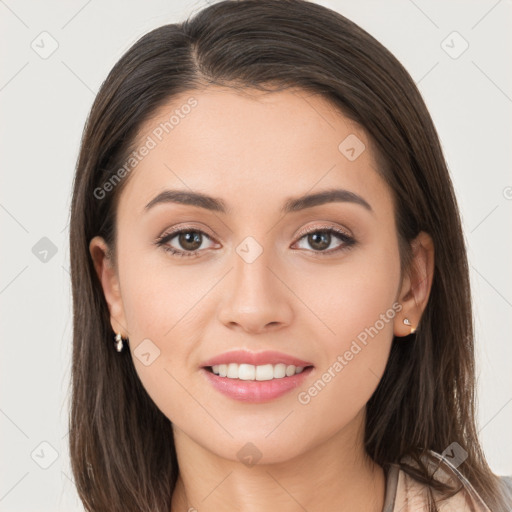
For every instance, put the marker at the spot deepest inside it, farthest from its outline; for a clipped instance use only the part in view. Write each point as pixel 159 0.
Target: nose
pixel 255 297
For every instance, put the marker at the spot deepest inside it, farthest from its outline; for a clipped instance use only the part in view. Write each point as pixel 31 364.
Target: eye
pixel 319 239
pixel 189 240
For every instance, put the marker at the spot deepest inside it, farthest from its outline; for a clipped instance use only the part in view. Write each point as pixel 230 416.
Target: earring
pixel 408 322
pixel 119 342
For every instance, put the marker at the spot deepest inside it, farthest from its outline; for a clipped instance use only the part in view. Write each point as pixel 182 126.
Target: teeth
pixel 251 372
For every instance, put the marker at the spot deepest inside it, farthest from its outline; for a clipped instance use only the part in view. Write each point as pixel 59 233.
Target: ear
pixel 416 285
pixel 109 280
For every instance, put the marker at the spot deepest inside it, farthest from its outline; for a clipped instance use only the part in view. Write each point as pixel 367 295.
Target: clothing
pixel 405 494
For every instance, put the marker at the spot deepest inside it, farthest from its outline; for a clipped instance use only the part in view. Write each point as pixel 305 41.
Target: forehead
pixel 251 144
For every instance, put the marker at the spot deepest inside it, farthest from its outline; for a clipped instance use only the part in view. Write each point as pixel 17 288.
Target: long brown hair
pixel 122 447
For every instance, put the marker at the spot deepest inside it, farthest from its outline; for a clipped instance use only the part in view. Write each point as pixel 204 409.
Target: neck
pixel 334 475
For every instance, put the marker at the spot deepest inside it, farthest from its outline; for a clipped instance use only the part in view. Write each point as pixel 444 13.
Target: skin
pixel 255 151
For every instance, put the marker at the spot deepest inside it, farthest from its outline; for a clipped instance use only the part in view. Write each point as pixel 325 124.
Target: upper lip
pixel 255 358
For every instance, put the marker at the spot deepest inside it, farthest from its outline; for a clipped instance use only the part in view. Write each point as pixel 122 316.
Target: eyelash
pixel 348 241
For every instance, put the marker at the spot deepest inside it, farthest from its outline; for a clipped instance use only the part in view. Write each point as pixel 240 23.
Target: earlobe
pixel 416 285
pixel 107 275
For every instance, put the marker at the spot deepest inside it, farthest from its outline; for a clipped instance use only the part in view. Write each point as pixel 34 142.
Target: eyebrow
pixel 291 205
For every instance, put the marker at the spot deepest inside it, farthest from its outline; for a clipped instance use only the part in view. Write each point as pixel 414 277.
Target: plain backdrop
pixel 456 51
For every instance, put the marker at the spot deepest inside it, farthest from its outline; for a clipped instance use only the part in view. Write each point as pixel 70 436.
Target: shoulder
pixel 405 494
pixel 414 496
pixel 506 488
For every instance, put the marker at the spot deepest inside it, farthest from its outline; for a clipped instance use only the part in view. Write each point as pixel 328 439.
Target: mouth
pixel 255 384
pixel 250 372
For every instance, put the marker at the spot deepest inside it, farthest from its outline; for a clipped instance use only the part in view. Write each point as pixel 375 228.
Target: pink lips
pixel 255 391
pixel 255 358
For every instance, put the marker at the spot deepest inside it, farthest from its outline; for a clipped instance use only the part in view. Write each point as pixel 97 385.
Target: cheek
pixel 165 317
pixel 159 297
pixel 359 307
pixel 353 299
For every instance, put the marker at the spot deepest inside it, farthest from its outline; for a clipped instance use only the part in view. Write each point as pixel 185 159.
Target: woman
pixel 270 284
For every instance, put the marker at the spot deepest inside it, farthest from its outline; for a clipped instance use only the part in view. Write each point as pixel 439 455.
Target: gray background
pixel 44 103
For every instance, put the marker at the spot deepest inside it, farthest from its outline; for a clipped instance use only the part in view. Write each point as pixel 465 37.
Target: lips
pixel 252 381
pixel 255 358
pixel 254 391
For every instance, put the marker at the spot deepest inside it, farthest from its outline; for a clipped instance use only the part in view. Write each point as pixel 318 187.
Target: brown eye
pixel 320 239
pixel 188 242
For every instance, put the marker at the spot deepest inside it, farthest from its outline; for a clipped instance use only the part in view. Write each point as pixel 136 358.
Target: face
pixel 317 284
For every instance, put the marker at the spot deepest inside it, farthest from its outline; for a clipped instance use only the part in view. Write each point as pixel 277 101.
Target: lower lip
pixel 255 391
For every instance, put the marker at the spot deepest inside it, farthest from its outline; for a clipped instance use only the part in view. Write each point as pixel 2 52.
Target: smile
pixel 254 384
pixel 252 372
